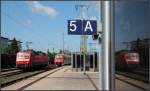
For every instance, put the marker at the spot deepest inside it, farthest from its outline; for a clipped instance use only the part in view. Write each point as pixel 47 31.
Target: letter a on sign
pixel 88 26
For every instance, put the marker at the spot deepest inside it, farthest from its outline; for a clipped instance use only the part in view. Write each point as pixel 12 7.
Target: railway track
pixel 133 82
pixel 143 72
pixel 12 77
pixel 10 73
pixel 140 74
pixel 10 69
pixel 134 76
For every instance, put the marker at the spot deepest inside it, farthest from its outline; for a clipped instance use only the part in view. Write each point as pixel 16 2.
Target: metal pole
pixel 80 61
pixel 100 69
pixel 100 54
pixel 63 41
pixel 72 60
pixel 149 48
pixel 76 61
pixel 84 62
pixel 112 46
pixel 105 64
pixel 94 61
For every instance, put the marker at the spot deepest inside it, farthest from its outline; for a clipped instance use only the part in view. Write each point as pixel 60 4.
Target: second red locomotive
pixel 62 59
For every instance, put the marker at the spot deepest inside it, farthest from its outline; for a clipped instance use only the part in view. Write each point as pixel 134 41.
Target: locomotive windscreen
pixel 23 57
pixel 58 56
pixel 132 57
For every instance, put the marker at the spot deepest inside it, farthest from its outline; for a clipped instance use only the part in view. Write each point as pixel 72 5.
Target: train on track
pixel 31 59
pixel 127 60
pixel 62 59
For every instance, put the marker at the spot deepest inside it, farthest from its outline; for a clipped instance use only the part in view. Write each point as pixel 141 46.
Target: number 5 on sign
pixel 74 27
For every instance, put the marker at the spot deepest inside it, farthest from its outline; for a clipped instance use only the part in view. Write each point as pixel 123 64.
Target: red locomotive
pixel 62 59
pixel 126 60
pixel 31 59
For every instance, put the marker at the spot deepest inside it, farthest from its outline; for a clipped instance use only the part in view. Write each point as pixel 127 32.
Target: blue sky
pixel 132 22
pixel 43 22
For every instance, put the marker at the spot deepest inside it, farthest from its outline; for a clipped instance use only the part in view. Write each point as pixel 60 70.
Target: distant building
pixel 135 45
pixel 5 42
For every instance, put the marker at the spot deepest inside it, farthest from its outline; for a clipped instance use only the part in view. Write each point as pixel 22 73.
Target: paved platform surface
pixel 64 79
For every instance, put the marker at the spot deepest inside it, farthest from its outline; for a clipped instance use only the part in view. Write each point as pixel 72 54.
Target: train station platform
pixel 63 78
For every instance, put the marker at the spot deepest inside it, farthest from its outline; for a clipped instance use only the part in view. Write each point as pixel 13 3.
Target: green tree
pixel 7 50
pixel 51 57
pixel 60 51
pixel 14 46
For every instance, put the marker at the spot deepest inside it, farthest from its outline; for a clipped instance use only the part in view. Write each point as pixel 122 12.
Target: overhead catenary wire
pixel 17 22
pixel 21 24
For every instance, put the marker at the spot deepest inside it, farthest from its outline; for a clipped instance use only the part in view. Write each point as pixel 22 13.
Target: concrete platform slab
pixel 66 79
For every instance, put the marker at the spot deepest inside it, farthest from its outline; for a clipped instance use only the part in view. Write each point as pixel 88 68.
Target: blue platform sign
pixel 82 27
